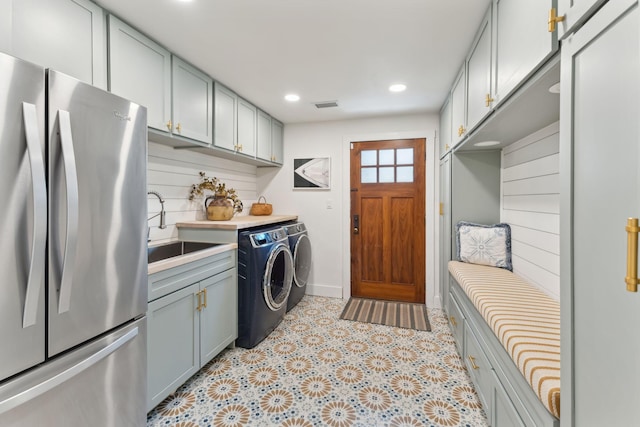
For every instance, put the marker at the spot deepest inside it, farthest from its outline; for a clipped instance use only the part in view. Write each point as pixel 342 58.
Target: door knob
pixel 356 224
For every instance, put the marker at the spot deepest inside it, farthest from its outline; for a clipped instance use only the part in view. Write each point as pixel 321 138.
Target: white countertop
pixel 238 222
pixel 165 264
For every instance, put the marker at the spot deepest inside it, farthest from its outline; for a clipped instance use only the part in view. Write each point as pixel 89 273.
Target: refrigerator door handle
pixel 71 178
pixel 66 375
pixel 39 193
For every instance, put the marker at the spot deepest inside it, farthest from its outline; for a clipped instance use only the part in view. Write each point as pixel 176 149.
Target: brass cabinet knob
pixel 461 130
pixel 554 19
pixel 446 147
pixel 488 100
pixel 170 125
pixel 179 127
pixel 240 147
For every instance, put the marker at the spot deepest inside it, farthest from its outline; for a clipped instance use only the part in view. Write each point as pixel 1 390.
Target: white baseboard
pixel 324 291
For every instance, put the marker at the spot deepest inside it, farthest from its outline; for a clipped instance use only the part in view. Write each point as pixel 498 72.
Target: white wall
pixel 172 172
pixel 326 212
pixel 531 205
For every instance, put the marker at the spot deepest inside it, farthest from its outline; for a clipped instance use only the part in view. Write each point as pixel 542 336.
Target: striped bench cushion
pixel 525 320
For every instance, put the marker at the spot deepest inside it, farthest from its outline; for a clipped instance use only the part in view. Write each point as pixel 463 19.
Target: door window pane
pixel 368 158
pixel 405 156
pixel 386 174
pixel 405 173
pixel 386 157
pixel 368 175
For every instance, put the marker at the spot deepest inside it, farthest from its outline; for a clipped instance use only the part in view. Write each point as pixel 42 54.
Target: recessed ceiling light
pixel 397 87
pixel 555 88
pixel 486 143
pixel 292 97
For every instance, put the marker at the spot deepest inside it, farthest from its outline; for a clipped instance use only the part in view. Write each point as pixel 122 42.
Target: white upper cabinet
pixel 574 13
pixel 277 141
pixel 479 99
pixel 600 148
pixel 458 108
pixel 192 102
pixel 66 35
pixel 140 70
pixel 247 127
pixel 522 41
pixel 225 123
pixel 270 139
pixel 263 149
pixel 445 128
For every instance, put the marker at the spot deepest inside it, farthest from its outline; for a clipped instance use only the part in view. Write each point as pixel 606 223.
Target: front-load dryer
pixel 265 275
pixel 300 246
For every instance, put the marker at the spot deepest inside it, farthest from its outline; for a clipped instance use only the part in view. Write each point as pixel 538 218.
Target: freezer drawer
pixel 101 383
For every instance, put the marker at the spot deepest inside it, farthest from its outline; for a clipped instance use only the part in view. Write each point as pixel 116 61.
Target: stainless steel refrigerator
pixel 73 267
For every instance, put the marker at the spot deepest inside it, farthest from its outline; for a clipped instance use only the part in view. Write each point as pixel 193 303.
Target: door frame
pixel 431 199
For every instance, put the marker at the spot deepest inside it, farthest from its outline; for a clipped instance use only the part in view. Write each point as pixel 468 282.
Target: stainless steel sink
pixel 174 249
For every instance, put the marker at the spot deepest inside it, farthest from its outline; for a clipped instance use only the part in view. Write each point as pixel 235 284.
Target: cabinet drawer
pixel 503 413
pixel 173 279
pixel 479 368
pixel 456 322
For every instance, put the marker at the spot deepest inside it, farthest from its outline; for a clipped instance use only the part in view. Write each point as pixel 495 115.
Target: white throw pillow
pixel 484 244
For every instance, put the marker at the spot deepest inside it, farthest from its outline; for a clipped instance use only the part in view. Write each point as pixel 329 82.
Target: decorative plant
pixel 218 188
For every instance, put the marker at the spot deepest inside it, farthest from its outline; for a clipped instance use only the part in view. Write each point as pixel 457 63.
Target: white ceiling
pixel 323 50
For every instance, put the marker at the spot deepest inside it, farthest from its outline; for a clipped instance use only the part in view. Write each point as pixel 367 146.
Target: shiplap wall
pixel 531 205
pixel 172 172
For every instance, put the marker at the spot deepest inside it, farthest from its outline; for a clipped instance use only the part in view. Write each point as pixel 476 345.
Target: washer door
pixel 278 275
pixel 302 260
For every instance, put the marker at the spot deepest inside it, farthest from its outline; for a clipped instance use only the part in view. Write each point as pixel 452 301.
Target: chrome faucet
pixel 162 213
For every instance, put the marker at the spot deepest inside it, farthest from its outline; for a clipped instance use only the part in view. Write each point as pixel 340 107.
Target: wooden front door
pixel 388 220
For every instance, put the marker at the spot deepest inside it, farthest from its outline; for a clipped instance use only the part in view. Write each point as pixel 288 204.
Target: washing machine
pixel 300 247
pixel 265 275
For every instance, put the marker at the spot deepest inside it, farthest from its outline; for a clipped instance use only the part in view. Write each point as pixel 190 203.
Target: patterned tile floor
pixel 317 370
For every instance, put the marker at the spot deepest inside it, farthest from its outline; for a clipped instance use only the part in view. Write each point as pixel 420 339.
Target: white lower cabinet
pixel 503 413
pixel 172 343
pixel 193 318
pixel 456 322
pixel 479 369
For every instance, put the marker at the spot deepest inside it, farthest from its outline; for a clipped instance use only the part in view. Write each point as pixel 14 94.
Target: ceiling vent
pixel 326 104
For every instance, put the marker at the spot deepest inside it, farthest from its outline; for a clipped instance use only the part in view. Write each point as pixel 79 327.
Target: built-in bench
pixel 508 333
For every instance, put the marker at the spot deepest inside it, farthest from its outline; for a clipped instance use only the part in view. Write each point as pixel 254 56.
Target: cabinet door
pixel 503 413
pixel 479 99
pixel 219 318
pixel 263 150
pixel 456 323
pixel 445 128
pixel 140 70
pixel 575 13
pixel 277 141
pixel 523 41
pixel 247 127
pixel 173 337
pixel 445 228
pixel 66 35
pixel 458 98
pixel 192 102
pixel 479 368
pixel 600 154
pixel 225 122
